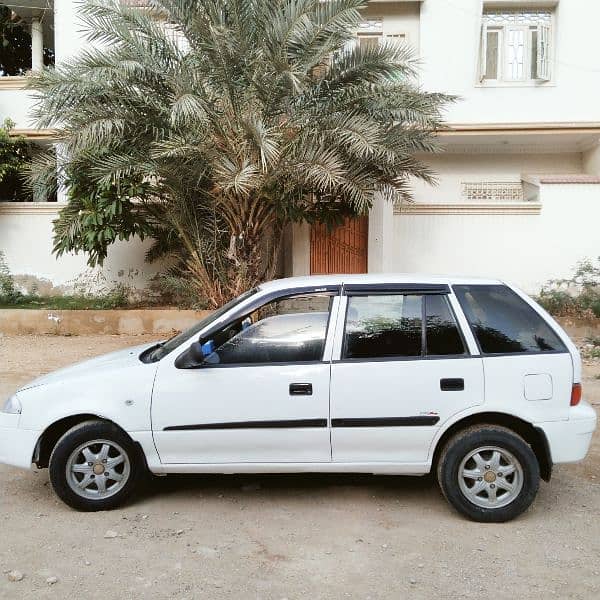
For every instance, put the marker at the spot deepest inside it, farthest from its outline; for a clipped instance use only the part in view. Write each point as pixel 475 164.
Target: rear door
pixel 400 370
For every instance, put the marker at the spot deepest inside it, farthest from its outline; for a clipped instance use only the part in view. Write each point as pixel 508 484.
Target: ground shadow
pixel 284 485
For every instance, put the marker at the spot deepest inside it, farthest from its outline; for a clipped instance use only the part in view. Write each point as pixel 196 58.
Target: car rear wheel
pixel 488 473
pixel 94 466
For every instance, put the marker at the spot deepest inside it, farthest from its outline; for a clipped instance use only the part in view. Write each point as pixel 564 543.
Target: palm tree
pixel 232 118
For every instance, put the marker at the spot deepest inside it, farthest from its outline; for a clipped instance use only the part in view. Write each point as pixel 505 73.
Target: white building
pixel 519 181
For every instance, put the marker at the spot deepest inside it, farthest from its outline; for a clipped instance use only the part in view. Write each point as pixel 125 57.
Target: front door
pixel 341 250
pixel 262 395
pixel 403 370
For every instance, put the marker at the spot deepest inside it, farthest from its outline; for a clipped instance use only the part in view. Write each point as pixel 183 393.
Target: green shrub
pixel 8 291
pixel 576 297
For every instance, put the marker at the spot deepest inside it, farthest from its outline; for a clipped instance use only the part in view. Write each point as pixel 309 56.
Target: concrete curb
pixel 97 322
pixel 19 321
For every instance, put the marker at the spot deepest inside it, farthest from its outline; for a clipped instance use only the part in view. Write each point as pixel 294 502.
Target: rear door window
pixel 503 323
pixel 401 325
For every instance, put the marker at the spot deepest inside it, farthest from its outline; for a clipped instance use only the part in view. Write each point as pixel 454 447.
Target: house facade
pixel 518 194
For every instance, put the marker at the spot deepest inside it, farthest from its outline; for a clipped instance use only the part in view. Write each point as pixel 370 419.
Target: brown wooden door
pixel 341 250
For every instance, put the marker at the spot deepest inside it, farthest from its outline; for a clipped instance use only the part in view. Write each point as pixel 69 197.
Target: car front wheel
pixel 488 473
pixel 94 466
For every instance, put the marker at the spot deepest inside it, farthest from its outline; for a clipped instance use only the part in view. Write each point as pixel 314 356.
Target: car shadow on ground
pixel 285 485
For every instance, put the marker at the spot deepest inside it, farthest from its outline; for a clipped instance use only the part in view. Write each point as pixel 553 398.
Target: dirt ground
pixel 276 537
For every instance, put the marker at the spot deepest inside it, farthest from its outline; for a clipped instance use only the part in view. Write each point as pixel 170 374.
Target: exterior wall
pixel 450 40
pixel 446 34
pixel 26 240
pixel 454 169
pixel 525 249
pixel 15 104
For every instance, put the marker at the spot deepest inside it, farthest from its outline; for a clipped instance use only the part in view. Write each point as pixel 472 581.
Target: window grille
pixel 371 25
pixel 518 17
pixel 177 37
pixel 493 191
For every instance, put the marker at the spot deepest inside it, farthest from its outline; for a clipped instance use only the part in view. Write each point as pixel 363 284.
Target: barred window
pixel 516 45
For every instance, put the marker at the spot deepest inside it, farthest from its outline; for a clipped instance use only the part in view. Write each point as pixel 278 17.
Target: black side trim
pixel 290 424
pixel 386 422
pixel 357 289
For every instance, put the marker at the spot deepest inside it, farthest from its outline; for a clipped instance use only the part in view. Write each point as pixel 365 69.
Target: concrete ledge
pixel 90 322
pixel 20 321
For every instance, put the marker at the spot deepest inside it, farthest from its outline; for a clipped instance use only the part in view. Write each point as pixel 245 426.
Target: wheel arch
pixel 534 436
pixel 50 436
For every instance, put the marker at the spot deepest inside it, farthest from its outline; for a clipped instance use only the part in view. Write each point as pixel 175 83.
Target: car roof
pixel 374 279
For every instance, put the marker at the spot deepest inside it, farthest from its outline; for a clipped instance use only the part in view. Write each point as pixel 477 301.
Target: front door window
pixel 285 330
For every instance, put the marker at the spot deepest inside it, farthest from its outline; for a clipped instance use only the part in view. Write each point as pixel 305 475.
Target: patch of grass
pixel 76 302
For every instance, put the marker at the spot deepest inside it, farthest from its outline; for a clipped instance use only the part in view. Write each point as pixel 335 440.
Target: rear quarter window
pixel 503 323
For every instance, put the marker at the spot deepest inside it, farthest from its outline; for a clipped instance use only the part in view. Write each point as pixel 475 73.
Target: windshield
pixel 159 351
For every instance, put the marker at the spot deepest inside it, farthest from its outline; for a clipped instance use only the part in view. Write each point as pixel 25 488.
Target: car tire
pixel 95 466
pixel 488 473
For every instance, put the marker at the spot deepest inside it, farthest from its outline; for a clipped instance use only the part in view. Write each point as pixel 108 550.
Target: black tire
pixel 461 446
pixel 89 431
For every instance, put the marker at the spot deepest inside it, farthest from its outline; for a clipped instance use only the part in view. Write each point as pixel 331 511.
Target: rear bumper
pixel 569 441
pixel 16 445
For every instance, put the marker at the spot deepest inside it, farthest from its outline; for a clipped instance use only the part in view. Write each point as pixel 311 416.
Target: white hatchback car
pixel 389 374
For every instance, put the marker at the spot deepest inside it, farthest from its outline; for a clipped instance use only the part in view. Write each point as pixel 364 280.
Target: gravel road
pixel 276 537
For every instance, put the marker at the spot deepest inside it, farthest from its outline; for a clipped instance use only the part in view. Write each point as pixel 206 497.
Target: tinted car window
pixel 295 337
pixel 381 326
pixel 503 323
pixel 443 337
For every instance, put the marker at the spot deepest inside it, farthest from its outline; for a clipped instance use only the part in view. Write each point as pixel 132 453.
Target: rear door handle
pixel 452 385
pixel 300 389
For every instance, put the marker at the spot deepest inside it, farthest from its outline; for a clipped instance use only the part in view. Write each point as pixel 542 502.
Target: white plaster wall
pixel 454 169
pixel 450 37
pixel 15 104
pixel 527 250
pixel 26 240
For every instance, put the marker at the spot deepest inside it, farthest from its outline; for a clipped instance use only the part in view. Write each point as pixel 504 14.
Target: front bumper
pixel 569 441
pixel 16 445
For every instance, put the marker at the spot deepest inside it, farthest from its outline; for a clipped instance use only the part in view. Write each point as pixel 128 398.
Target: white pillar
pixel 300 245
pixel 37 45
pixel 68 36
pixel 381 236
pixel 591 159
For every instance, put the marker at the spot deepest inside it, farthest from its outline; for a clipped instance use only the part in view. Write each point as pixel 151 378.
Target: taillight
pixel 576 394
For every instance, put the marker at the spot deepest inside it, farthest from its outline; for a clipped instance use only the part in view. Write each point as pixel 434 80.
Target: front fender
pixel 121 395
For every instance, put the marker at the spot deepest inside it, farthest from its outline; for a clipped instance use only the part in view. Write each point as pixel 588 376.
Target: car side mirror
pixel 194 356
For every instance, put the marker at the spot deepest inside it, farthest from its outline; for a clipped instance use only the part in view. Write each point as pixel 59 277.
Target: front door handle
pixel 452 385
pixel 300 389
